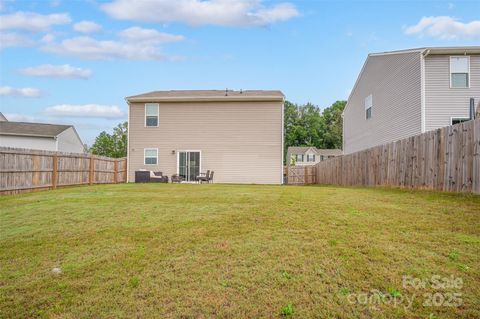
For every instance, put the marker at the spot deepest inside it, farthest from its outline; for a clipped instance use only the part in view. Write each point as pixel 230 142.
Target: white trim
pixel 459 117
pixel 283 146
pixel 192 151
pixel 145 114
pixel 149 149
pixel 128 141
pixel 369 98
pixel 450 70
pixel 422 93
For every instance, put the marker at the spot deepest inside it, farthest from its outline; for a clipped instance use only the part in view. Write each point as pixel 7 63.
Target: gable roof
pixel 32 129
pixel 207 95
pixel 324 151
pixel 3 118
pixel 300 149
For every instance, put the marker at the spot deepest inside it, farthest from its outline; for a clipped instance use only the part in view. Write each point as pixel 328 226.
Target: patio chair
pixel 157 177
pixel 210 178
pixel 203 177
pixel 176 178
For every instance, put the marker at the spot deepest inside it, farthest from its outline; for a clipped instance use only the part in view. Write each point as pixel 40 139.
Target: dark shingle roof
pixel 31 129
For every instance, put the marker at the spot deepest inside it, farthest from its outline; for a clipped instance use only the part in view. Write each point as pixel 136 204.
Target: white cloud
pixel 90 48
pixel 197 12
pixel 86 110
pixel 87 27
pixel 137 34
pixel 47 38
pixel 12 39
pixel 135 44
pixel 445 27
pixel 31 21
pixel 57 71
pixel 20 92
pixel 15 117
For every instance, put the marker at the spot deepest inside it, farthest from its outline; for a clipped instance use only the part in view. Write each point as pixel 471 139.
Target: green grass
pixel 233 251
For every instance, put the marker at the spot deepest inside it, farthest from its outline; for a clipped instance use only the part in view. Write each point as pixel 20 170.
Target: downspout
pixel 423 55
pixel 128 140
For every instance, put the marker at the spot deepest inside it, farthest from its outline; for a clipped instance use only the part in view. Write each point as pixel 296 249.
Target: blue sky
pixel 74 61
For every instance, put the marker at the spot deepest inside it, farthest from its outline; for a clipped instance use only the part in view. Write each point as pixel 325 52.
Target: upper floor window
pixel 299 157
pixel 310 157
pixel 150 156
pixel 368 107
pixel 459 71
pixel 151 114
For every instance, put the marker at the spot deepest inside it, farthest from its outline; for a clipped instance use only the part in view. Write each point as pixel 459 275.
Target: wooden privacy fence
pixel 446 159
pixel 300 175
pixel 29 170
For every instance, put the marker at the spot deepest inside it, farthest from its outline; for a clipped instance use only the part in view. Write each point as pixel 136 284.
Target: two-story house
pixel 403 93
pixel 236 134
pixel 309 155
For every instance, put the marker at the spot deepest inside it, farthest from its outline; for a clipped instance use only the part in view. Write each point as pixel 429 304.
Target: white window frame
pixel 302 157
pixel 310 157
pixel 450 70
pixel 145 157
pixel 158 114
pixel 369 107
pixel 460 117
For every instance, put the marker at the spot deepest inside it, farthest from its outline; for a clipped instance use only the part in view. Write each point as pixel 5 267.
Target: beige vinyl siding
pixel 394 80
pixel 240 141
pixel 443 102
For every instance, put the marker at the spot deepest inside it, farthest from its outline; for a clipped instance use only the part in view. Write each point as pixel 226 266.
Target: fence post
pixel 115 171
pixel 91 172
pixel 55 172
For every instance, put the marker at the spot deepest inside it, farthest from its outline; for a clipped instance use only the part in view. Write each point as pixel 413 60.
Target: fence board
pixel 28 170
pixel 446 159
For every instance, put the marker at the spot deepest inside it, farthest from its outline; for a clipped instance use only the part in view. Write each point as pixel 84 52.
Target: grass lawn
pixel 238 251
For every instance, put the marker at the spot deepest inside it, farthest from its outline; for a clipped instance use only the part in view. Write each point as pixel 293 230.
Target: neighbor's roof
pixel 435 50
pixel 207 95
pixel 303 149
pixel 32 129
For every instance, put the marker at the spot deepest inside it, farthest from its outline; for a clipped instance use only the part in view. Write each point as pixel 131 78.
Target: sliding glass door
pixel 189 165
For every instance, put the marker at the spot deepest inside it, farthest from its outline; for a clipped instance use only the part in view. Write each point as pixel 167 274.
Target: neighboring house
pixel 236 134
pixel 403 93
pixel 39 136
pixel 309 155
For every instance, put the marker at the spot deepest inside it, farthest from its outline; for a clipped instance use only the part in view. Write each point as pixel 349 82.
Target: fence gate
pixel 301 175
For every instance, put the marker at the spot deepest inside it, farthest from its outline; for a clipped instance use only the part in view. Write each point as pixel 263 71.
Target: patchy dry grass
pixel 232 251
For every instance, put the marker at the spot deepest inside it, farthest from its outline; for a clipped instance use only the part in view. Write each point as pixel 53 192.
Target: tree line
pixel 305 125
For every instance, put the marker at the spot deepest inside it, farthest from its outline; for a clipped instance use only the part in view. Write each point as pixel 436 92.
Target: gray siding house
pixel 309 155
pixel 403 93
pixel 40 136
pixel 236 134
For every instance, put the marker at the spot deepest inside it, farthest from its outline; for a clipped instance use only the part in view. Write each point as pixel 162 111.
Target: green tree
pixel 112 145
pixel 332 125
pixel 307 125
